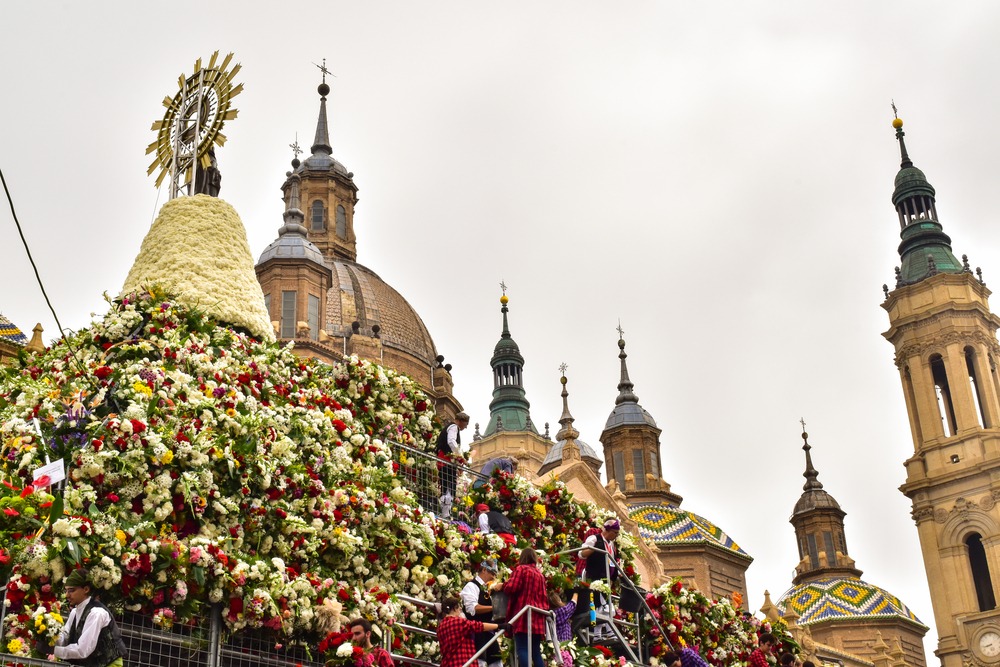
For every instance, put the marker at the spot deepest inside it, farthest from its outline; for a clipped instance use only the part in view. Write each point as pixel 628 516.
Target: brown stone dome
pixel 358 294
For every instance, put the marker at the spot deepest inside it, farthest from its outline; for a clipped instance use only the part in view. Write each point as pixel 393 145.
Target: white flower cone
pixel 197 249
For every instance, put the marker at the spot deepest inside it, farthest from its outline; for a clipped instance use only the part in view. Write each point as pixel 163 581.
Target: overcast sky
pixel 716 175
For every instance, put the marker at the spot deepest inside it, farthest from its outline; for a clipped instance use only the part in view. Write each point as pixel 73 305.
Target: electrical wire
pixel 38 278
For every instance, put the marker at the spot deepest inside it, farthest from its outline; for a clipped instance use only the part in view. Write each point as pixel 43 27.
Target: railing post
pixel 215 636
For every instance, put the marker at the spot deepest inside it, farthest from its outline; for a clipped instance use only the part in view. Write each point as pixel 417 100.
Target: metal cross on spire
pixel 621 333
pixel 296 149
pixel 324 70
pixel 895 112
pixel 503 287
pixel 563 367
pixel 803 422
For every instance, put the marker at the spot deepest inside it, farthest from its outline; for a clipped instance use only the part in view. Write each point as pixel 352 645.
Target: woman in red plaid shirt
pixel 526 587
pixel 456 634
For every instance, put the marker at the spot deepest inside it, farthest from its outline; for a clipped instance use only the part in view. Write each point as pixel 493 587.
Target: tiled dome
pixel 836 598
pixel 669 524
pixel 10 332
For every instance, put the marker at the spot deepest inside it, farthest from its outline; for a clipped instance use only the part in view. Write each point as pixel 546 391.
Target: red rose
pixel 103 372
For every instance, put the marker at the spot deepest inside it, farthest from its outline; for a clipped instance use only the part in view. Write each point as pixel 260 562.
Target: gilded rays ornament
pixel 192 126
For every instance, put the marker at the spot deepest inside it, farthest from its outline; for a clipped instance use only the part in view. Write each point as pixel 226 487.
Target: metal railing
pixel 419 472
pixel 610 618
pixel 550 634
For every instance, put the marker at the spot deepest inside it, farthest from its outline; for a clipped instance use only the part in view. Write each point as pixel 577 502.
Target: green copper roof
pixel 509 407
pixel 925 249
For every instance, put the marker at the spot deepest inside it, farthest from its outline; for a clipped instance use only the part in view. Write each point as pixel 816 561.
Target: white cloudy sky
pixel 716 175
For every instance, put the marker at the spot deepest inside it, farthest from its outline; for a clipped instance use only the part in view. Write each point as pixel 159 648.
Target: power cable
pixel 38 278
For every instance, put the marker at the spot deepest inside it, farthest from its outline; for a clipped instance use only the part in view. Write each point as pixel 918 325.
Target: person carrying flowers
pixel 765 645
pixel 90 637
pixel 456 634
pixel 366 655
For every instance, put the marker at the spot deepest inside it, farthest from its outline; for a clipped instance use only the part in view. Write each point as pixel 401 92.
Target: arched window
pixel 912 401
pixel 977 392
pixel 980 572
pixel 943 391
pixel 341 222
pixel 318 216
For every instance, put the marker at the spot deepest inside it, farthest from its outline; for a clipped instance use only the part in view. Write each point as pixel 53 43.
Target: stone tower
pixel 510 431
pixel 828 596
pixel 319 296
pixel 631 442
pixel 946 351
pixel 688 545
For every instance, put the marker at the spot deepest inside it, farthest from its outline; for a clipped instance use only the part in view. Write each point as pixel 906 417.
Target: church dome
pixel 843 598
pixel 814 499
pixel 669 524
pixel 629 413
pixel 292 244
pixel 555 452
pixel 359 295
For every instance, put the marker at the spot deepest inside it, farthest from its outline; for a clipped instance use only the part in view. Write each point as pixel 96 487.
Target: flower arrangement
pixel 207 468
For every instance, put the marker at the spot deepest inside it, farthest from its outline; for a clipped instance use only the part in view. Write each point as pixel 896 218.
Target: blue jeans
pixel 521 647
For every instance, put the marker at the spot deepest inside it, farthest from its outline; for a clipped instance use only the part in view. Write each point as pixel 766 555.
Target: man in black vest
pixel 602 562
pixel 478 606
pixel 90 637
pixel 449 448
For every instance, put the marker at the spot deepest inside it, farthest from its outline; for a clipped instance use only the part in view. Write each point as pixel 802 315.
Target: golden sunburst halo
pixel 192 124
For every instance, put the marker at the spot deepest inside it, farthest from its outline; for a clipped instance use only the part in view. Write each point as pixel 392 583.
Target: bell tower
pixel 946 350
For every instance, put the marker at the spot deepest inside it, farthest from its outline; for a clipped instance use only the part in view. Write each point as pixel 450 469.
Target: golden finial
pixel 897 122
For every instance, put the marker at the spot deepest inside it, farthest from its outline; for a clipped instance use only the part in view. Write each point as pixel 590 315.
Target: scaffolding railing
pixel 421 473
pixel 610 618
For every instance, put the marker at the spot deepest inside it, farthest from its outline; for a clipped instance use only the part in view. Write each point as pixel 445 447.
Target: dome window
pixel 318 216
pixel 639 468
pixel 288 314
pixel 314 317
pixel 341 222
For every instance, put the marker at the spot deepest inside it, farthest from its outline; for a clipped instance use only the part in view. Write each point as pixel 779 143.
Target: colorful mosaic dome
pixel 841 598
pixel 669 524
pixel 10 332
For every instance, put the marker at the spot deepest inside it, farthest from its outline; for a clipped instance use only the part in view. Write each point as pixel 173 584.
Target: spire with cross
pixel 324 70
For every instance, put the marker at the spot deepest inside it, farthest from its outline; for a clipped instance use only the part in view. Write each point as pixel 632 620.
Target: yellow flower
pixel 539 511
pixel 56 615
pixel 167 457
pixel 402 458
pixel 120 535
pixel 41 628
pixel 427 561
pixel 14 645
pixel 141 388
